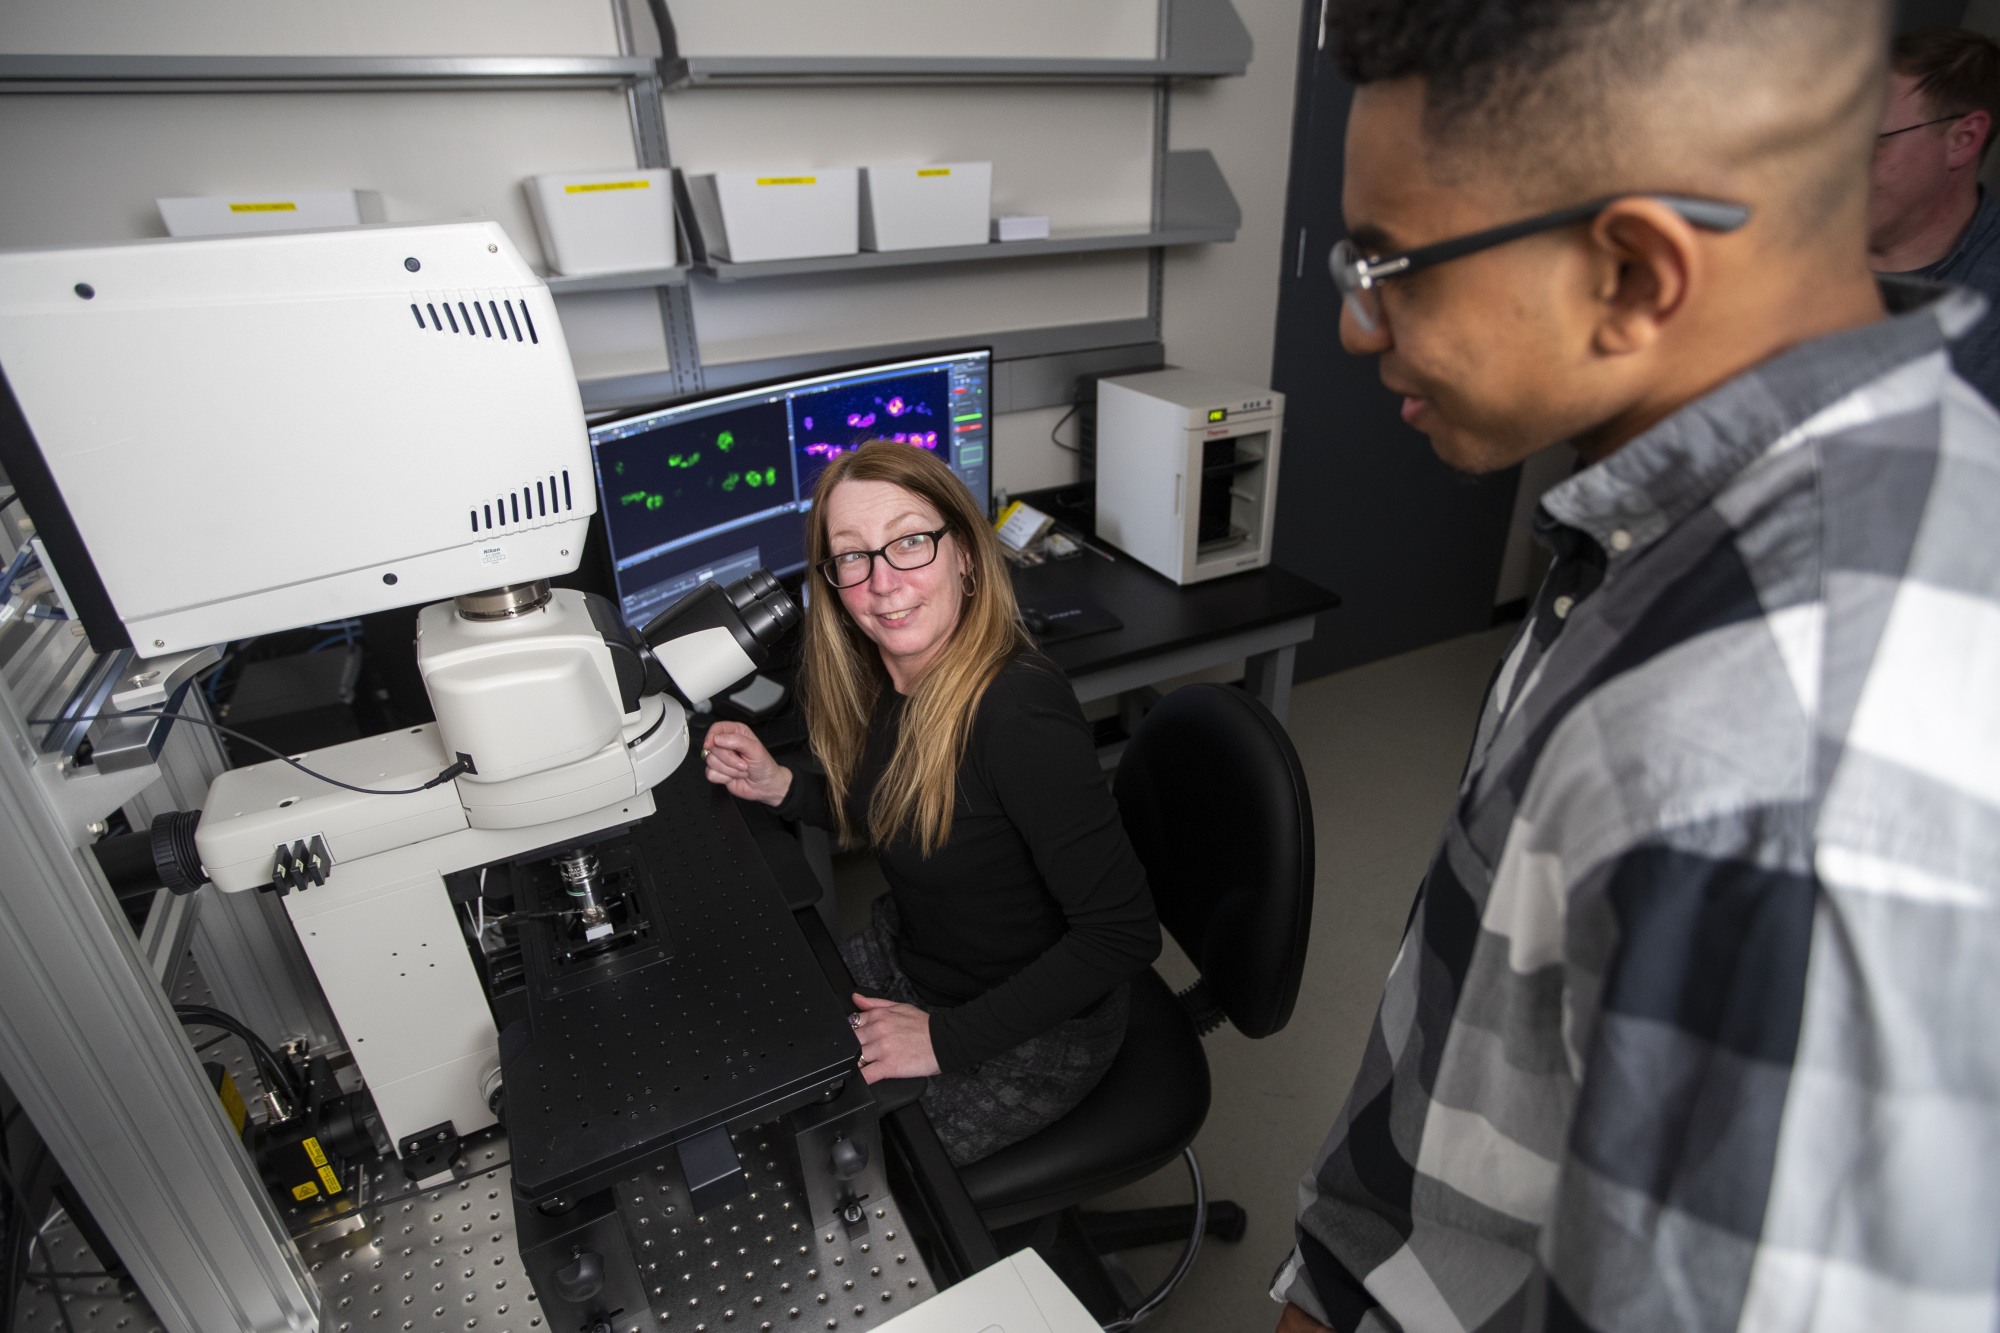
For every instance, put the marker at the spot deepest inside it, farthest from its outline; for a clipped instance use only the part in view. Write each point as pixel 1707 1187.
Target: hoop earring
pixel 968 583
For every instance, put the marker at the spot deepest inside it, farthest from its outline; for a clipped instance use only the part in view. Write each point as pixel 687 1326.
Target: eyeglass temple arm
pixel 1708 214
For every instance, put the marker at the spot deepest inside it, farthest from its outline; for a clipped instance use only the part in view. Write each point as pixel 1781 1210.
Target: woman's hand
pixel 738 760
pixel 895 1040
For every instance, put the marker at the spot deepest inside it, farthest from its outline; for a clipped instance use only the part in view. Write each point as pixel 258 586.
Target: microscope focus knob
pixel 582 1278
pixel 848 1157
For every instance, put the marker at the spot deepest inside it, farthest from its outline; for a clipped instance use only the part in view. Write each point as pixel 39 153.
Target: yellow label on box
pixel 313 1150
pixel 274 207
pixel 330 1180
pixel 934 171
pixel 232 1104
pixel 595 186
pixel 788 180
pixel 305 1191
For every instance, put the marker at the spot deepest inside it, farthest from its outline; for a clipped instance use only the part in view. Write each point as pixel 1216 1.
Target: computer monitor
pixel 716 486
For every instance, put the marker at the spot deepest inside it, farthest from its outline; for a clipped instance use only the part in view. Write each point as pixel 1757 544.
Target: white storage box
pixel 1021 227
pixel 604 221
pixel 746 216
pixel 913 208
pixel 229 214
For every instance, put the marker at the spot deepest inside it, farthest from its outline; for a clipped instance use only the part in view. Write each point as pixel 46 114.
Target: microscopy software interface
pixel 716 488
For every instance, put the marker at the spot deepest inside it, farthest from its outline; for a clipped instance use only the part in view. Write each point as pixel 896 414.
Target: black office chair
pixel 1215 803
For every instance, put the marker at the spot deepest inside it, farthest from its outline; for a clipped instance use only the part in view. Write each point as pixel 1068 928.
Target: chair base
pixel 1132 1228
pixel 1078 1246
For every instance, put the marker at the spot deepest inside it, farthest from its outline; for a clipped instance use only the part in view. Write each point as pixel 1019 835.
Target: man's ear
pixel 1965 137
pixel 1648 258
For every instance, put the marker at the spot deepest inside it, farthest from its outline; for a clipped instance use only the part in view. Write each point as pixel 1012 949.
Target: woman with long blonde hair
pixel 996 965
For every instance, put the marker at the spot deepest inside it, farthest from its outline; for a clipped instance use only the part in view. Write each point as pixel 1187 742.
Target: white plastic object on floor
pixel 1020 1294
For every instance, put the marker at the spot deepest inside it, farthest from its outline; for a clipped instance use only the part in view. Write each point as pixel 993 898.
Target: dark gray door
pixel 1364 507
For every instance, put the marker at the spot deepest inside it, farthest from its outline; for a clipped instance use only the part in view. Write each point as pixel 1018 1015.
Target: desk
pixel 1260 616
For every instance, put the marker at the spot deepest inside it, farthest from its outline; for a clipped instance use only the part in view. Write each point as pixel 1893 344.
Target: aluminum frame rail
pixel 90 1046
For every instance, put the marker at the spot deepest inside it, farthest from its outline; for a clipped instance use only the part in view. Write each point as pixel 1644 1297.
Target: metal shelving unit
pixel 1192 203
pixel 1199 209
pixel 636 280
pixel 1202 39
pixel 196 74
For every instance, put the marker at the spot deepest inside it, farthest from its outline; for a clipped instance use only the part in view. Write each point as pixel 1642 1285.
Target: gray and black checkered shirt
pixel 1696 1023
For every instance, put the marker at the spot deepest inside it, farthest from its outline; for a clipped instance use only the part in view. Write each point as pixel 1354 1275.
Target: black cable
pixel 1060 423
pixel 275 1072
pixel 21 1211
pixel 269 1067
pixel 55 1292
pixel 453 771
pixel 9 500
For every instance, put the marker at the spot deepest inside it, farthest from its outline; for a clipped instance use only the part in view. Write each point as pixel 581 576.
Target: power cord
pixel 1060 423
pixel 461 766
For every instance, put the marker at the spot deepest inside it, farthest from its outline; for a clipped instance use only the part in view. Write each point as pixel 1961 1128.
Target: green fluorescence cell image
pixel 683 460
pixel 754 478
pixel 729 482
pixel 725 441
pixel 770 476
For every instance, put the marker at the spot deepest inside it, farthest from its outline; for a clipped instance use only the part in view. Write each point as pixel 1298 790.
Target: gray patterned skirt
pixel 999 1101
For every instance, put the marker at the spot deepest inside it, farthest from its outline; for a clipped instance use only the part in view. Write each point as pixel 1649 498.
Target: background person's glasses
pixel 1890 134
pixel 1359 277
pixel 848 569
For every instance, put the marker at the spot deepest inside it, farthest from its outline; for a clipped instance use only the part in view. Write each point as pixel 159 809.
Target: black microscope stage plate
pixel 738 1025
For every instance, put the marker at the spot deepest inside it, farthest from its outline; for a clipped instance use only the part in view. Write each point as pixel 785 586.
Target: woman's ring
pixel 854 1021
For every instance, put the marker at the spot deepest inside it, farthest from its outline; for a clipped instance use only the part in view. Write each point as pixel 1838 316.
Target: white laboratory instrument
pixel 228 437
pixel 1187 471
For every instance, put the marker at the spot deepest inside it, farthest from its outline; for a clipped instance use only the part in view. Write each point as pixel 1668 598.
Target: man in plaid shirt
pixel 1693 1025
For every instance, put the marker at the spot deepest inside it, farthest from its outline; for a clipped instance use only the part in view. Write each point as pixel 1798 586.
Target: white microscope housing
pixel 220 438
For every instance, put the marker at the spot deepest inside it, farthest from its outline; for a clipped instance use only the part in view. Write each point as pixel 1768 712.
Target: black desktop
pixel 714 487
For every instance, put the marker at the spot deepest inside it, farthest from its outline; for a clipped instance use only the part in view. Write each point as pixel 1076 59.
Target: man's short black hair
pixel 1549 87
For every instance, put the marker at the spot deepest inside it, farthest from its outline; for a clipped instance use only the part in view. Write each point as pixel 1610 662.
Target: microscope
pixel 222 438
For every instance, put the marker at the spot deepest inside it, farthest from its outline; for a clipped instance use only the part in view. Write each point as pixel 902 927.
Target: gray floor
pixel 1382 747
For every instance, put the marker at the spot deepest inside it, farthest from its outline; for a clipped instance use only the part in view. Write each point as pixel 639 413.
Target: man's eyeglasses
pixel 848 569
pixel 1358 277
pixel 1941 120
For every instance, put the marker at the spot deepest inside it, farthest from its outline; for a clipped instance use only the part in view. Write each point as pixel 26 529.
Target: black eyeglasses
pixel 1890 134
pixel 848 569
pixel 1358 276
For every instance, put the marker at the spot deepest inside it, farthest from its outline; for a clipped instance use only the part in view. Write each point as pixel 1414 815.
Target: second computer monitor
pixel 717 486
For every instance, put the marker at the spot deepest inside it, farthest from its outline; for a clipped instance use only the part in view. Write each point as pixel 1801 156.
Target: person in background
pixel 1928 215
pixel 1692 1023
pixel 997 963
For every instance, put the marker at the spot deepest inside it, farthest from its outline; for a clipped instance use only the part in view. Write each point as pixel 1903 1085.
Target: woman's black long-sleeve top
pixel 1036 907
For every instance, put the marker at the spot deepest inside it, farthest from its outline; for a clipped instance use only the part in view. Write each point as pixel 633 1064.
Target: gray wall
pixel 87 168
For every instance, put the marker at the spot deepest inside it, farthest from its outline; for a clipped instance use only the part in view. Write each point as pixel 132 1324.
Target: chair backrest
pixel 1215 802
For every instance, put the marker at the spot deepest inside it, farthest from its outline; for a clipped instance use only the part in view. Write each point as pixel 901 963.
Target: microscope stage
pixel 735 1027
